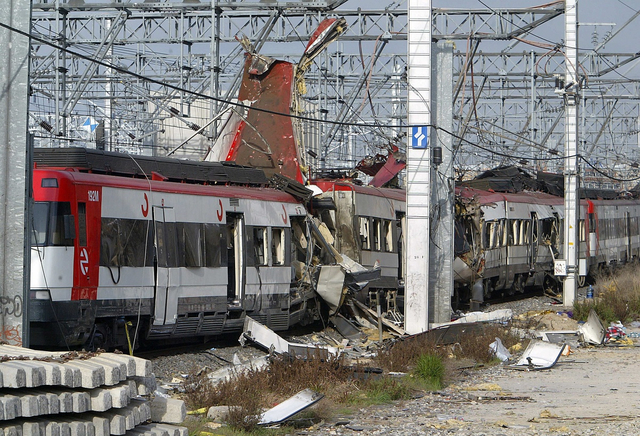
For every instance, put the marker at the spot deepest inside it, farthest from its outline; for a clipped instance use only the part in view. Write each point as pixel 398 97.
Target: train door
pixel 235 256
pixel 533 241
pixel 166 298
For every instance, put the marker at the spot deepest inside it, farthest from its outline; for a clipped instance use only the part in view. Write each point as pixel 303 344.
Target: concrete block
pixel 33 405
pixel 65 402
pixel 101 425
pixel 65 429
pixel 121 395
pixel 82 428
pixel 114 371
pixel 34 428
pixel 93 375
pixel 35 374
pixel 133 388
pixel 145 430
pixel 13 375
pixel 53 373
pixel 81 402
pixel 168 410
pixel 71 376
pixel 100 400
pixel 11 406
pixel 145 385
pixel 52 429
pixel 117 423
pixel 11 429
pixel 135 365
pixel 54 403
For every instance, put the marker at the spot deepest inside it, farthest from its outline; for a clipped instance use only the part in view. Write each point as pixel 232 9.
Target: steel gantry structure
pixel 143 76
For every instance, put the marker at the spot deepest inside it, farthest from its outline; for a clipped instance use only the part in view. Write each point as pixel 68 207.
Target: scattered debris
pixel 500 350
pixel 593 331
pixel 571 338
pixel 290 407
pixel 373 315
pixel 330 286
pixel 270 340
pixel 347 329
pixel 539 355
pixel 227 372
pixel 502 315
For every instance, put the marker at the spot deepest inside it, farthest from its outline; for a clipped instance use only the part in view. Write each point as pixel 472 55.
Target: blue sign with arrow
pixel 419 137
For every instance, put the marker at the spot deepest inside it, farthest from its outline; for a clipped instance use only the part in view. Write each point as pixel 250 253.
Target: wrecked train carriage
pixel 367 224
pixel 505 242
pixel 188 251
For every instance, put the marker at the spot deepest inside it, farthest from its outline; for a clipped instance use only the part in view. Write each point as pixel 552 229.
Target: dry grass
pixel 427 362
pixel 617 296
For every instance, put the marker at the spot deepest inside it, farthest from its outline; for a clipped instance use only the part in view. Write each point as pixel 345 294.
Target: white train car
pixel 157 259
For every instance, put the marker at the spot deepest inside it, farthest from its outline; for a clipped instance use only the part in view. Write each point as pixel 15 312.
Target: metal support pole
pixel 14 85
pixel 441 233
pixel 571 100
pixel 418 166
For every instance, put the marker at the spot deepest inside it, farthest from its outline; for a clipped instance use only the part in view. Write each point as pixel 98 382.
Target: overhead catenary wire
pixel 238 104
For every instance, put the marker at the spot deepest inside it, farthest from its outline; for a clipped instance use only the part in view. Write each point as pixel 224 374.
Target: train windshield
pixel 52 224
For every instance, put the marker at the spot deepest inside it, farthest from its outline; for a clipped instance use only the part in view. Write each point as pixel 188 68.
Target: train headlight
pixel 40 295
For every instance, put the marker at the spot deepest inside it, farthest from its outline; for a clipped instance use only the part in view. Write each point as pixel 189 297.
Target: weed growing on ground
pixel 430 369
pixel 380 391
pixel 617 296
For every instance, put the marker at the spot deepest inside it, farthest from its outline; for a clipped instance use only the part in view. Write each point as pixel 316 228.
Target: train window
pixel 365 241
pixel 258 242
pixel 58 235
pixel 190 241
pixel 82 224
pixel 214 246
pixel 525 229
pixel 514 237
pixel 277 246
pixel 487 235
pixel 125 242
pixel 377 229
pixel 388 236
pixel 39 220
pixel 504 231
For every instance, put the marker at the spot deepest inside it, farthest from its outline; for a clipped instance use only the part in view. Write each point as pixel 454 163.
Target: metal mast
pixel 418 167
pixel 14 167
pixel 571 99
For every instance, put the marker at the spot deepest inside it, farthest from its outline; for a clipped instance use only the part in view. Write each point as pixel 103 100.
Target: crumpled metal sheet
pixel 290 407
pixel 539 355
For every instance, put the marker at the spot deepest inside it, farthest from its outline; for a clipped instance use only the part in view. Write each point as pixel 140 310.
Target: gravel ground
pixel 591 392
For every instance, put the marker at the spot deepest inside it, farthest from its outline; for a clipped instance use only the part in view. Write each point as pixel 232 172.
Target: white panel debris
pixel 539 355
pixel 290 407
pixel 270 340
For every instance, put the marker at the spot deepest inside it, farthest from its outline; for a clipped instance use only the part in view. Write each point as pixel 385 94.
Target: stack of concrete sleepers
pixel 81 394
